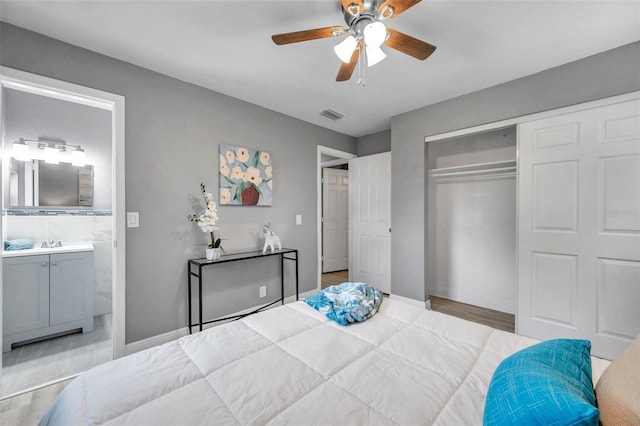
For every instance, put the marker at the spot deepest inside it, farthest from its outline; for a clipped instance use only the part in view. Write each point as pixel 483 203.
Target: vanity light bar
pixel 49 151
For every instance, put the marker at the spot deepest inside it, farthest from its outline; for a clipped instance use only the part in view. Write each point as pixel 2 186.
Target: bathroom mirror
pixel 36 183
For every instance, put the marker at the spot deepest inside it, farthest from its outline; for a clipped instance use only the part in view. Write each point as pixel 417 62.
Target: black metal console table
pixel 200 264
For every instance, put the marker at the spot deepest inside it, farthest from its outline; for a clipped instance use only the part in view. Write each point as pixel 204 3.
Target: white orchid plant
pixel 207 220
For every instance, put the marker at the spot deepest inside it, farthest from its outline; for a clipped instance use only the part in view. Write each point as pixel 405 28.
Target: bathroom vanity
pixel 46 292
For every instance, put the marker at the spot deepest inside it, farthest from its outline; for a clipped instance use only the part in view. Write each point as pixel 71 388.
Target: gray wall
pixel 606 74
pixel 173 130
pixel 374 143
pixel 32 116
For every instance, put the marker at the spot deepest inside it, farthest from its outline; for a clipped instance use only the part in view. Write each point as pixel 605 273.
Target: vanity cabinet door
pixel 70 287
pixel 25 293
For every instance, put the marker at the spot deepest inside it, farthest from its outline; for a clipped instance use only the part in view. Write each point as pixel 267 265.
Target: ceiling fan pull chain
pixel 362 69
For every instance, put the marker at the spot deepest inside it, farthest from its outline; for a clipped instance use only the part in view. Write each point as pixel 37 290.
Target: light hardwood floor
pixel 495 319
pixel 333 278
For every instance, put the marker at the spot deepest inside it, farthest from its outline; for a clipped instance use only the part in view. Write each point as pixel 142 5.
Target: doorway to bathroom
pixel 63 255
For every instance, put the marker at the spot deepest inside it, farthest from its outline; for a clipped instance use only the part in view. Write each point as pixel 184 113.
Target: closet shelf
pixel 496 168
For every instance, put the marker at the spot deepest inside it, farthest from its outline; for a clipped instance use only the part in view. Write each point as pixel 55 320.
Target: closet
pixel 541 218
pixel 471 219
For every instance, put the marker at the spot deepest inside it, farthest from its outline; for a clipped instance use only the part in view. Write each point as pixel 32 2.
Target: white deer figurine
pixel 270 239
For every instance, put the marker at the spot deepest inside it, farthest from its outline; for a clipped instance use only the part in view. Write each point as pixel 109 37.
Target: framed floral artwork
pixel 246 176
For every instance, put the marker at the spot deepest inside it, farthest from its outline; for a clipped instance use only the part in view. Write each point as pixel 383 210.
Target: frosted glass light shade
pixel 78 157
pixel 21 151
pixel 374 55
pixel 374 34
pixel 345 48
pixel 51 155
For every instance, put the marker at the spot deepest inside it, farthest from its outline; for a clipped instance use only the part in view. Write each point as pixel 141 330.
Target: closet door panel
pixel 579 198
pixel 555 196
pixel 618 316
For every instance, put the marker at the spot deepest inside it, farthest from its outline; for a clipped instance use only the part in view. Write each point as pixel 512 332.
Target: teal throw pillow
pixel 546 384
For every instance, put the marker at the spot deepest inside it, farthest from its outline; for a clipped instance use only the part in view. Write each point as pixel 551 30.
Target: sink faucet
pixel 51 244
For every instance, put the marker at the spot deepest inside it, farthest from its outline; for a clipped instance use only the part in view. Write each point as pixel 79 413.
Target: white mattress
pixel 290 365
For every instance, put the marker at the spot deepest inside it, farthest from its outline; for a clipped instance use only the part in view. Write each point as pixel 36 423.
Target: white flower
pixel 236 173
pixel 264 158
pixel 223 160
pixel 268 171
pixel 270 185
pixel 225 196
pixel 224 169
pixel 253 176
pixel 230 157
pixel 207 220
pixel 242 154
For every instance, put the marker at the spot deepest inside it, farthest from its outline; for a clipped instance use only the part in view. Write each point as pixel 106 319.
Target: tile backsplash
pixel 95 229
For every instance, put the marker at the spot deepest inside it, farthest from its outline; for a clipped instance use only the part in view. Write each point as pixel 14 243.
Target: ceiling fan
pixel 366 34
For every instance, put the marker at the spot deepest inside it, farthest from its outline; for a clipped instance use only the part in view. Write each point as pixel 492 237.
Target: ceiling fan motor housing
pixel 357 16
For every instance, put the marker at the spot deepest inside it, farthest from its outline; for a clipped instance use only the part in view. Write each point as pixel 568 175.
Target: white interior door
pixel 335 220
pixel 579 227
pixel 370 220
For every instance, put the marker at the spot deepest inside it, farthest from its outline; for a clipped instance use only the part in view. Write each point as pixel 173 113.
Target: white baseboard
pixel 411 302
pixel 170 336
pixel 131 348
pixel 300 296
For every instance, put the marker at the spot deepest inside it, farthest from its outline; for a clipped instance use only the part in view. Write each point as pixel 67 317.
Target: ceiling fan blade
pixel 305 35
pixel 409 45
pixel 346 70
pixel 398 6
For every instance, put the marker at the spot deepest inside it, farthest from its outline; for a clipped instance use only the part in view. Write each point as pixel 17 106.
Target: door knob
pixel 43 264
pixel 54 262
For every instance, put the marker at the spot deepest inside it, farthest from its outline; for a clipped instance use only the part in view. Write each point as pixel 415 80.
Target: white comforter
pixel 290 365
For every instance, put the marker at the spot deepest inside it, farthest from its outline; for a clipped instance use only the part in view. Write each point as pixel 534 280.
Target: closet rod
pixel 475 178
pixel 475 172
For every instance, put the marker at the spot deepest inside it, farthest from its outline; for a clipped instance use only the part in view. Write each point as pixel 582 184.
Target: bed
pixel 291 365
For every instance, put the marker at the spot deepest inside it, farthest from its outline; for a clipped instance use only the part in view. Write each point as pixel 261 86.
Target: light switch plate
pixel 133 220
pixel 298 219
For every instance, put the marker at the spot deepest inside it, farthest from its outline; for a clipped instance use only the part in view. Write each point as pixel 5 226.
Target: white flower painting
pixel 246 176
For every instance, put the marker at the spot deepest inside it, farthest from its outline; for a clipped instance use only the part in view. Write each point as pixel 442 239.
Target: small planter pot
pixel 213 253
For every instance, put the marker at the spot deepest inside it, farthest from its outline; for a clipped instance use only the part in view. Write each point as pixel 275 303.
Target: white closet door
pixel 370 220
pixel 335 220
pixel 579 227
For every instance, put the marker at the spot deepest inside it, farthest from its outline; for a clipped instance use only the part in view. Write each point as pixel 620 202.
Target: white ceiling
pixel 226 46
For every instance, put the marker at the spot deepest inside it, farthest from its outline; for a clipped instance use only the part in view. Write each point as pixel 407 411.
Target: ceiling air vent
pixel 331 114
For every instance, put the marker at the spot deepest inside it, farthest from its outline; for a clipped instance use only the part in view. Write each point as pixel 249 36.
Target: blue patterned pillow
pixel 546 384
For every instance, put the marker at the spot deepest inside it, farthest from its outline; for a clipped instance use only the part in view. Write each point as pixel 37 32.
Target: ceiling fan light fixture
pixel 345 48
pixel 374 34
pixel 374 55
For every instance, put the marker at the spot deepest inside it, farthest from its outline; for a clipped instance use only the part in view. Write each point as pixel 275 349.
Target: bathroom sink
pixel 66 248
